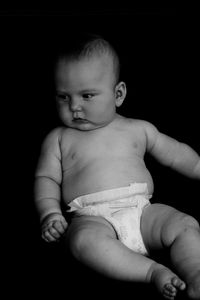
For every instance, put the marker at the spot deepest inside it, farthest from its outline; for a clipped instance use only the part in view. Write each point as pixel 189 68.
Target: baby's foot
pixel 167 282
pixel 194 286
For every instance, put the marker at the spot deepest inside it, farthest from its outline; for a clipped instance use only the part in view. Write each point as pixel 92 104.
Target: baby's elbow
pixel 48 178
pixel 197 170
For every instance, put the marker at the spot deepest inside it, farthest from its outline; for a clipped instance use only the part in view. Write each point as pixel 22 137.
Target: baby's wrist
pixel 51 216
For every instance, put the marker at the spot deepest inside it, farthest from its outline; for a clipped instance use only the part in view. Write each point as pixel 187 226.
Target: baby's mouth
pixel 80 120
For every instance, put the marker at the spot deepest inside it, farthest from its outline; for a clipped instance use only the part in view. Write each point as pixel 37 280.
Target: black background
pixel 158 50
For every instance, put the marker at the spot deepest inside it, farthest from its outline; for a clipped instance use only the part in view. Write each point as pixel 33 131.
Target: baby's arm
pixel 47 188
pixel 172 153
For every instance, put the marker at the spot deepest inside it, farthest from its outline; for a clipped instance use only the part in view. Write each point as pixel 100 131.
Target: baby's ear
pixel 120 93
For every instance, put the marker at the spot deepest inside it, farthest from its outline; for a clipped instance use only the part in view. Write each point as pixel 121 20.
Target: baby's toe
pixel 169 291
pixel 170 288
pixel 178 283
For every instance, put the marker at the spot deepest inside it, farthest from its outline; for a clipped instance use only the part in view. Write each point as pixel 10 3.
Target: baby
pixel 94 166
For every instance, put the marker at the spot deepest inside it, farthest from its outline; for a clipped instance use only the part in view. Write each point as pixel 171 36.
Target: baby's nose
pixel 75 104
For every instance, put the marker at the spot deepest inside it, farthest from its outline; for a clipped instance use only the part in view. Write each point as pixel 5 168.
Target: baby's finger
pixel 48 237
pixel 59 226
pixel 55 233
pixel 47 225
pixel 64 223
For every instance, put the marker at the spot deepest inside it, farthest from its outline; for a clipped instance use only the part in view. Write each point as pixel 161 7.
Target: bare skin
pixel 100 150
pixel 167 282
pixel 94 238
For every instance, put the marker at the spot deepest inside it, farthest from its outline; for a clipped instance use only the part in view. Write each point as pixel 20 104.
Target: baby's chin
pixel 84 125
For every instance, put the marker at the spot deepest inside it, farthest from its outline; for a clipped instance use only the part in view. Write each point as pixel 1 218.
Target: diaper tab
pixel 123 197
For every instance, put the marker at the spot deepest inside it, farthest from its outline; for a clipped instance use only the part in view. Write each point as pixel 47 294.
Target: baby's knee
pixel 177 225
pixel 188 226
pixel 79 241
pixel 84 235
pixel 187 223
pixel 77 238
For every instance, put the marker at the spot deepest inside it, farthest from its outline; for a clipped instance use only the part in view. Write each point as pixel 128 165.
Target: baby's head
pixel 87 84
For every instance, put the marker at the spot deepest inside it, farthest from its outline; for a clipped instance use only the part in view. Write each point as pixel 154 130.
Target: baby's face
pixel 86 92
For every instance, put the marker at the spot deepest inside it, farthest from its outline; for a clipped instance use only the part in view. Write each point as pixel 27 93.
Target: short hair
pixel 86 46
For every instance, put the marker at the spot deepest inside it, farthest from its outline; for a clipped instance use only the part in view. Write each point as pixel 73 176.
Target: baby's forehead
pixel 103 59
pixel 85 72
pixel 95 65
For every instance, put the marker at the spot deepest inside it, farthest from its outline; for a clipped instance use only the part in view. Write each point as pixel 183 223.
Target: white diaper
pixel 122 208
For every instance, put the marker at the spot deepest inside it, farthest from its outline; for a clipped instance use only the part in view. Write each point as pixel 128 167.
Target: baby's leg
pixel 93 241
pixel 164 226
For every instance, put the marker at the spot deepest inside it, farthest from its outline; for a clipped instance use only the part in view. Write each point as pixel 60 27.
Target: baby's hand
pixel 53 227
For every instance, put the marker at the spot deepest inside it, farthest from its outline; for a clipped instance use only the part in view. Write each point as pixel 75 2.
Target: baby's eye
pixel 88 96
pixel 62 97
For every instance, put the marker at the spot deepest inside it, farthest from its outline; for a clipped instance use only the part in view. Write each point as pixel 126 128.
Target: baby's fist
pixel 53 227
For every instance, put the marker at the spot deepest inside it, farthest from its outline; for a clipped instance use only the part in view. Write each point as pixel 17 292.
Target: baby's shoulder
pixel 138 125
pixel 52 140
pixel 54 135
pixel 141 129
pixel 59 132
pixel 58 139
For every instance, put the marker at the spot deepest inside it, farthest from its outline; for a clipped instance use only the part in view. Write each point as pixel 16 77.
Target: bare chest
pixel 109 146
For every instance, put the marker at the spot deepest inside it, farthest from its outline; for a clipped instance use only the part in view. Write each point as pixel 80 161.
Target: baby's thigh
pixel 155 218
pixel 87 230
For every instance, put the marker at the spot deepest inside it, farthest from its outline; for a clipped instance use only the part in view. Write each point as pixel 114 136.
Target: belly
pixel 101 176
